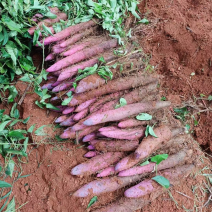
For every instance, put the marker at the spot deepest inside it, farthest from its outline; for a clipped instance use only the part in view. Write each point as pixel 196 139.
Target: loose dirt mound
pixel 180 45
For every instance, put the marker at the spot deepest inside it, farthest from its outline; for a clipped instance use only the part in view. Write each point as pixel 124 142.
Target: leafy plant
pixel 11 139
pixel 181 113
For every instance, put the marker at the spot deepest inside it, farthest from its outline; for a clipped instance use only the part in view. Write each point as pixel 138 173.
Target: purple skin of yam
pixel 131 123
pixel 61 119
pixel 81 114
pixel 63 86
pixel 74 49
pixel 69 110
pixel 58 50
pixel 107 172
pixel 37 15
pixel 48 86
pixel 105 129
pixel 89 137
pixel 78 127
pixel 90 154
pixel 93 142
pixel 68 122
pixel 61 109
pixel 82 55
pixel 171 161
pixel 67 134
pixel 56 84
pixel 50 57
pixel 68 31
pixel 137 170
pixel 124 112
pixel 128 134
pixel 141 189
pixel 98 163
pixel 85 84
pixel 54 99
pixel 146 147
pixel 68 72
pixel 85 105
pixel 117 146
pixel 90 147
pixel 149 186
pixel 105 185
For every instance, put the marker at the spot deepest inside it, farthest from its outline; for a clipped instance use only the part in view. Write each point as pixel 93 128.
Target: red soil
pixel 180 45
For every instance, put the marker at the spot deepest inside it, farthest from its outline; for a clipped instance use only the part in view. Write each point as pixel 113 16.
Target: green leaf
pixel 11 206
pixel 101 59
pixel 36 36
pixel 144 117
pixel 210 98
pixel 162 181
pixel 4 184
pixel 13 93
pixel 122 102
pixel 66 101
pixel 41 105
pixel 27 78
pixel 12 51
pixel 16 134
pixel 69 94
pixel 182 112
pixel 12 112
pixel 144 21
pixel 11 24
pixel 92 201
pixel 47 30
pixel 50 106
pixel 26 120
pixel 30 130
pixel 187 128
pixel 3 125
pixel 40 131
pixel 44 74
pixel 163 98
pixel 149 131
pixel 144 163
pixel 159 158
pixel 10 168
pixel 50 15
pixel 6 37
pixel 25 144
pixel 16 152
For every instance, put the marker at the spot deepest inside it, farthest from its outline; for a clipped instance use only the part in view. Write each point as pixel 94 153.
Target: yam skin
pixel 113 86
pixel 125 204
pixel 146 148
pixel 97 163
pixel 171 161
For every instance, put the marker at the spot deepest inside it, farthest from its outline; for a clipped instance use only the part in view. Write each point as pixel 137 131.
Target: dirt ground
pixel 179 40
